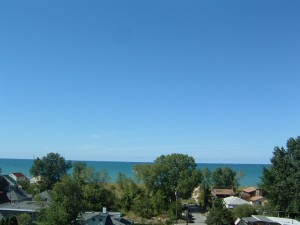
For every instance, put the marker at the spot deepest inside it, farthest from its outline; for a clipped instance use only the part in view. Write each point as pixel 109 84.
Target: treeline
pixel 157 189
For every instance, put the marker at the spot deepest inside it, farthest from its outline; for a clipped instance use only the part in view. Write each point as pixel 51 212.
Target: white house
pixel 232 202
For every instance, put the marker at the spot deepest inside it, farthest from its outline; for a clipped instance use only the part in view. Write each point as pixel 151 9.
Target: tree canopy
pixel 281 182
pixel 219 214
pixel 170 174
pixel 225 177
pixel 51 169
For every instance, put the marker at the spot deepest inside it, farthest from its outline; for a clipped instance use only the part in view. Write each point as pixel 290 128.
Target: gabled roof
pixel 103 217
pixel 235 201
pixel 269 220
pixel 249 189
pixel 222 191
pixel 256 198
pixel 19 174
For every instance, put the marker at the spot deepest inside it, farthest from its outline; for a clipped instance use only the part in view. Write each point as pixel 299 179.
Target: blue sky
pixel 131 80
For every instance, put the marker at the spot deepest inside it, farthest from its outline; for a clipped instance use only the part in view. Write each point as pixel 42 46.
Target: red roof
pixel 19 174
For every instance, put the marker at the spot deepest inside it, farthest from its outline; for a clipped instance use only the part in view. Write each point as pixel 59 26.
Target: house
pixel 257 200
pixel 222 192
pixel 265 220
pixel 10 181
pixel 30 207
pixel 96 218
pixel 35 180
pixel 254 195
pixel 232 202
pixel 44 196
pixel 18 195
pixel 18 177
pixel 103 218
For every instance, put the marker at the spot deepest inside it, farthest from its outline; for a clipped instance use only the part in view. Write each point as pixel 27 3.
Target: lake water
pixel 251 172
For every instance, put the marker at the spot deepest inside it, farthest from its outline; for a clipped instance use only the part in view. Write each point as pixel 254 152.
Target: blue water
pixel 251 172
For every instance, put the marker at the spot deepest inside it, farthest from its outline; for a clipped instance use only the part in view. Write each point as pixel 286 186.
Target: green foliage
pixel 219 214
pixel 66 202
pixel 170 173
pixel 225 177
pixel 24 219
pixel 205 189
pixel 281 182
pixel 121 180
pixel 95 197
pixel 51 169
pixel 13 221
pixel 87 175
pixel 244 211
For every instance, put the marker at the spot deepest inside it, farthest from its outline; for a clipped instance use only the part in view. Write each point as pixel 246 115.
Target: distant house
pixel 253 194
pixel 100 218
pixel 18 177
pixel 10 181
pixel 232 202
pixel 222 192
pixel 35 180
pixel 43 196
pixel 18 195
pixel 265 220
pixel 251 191
pixel 7 210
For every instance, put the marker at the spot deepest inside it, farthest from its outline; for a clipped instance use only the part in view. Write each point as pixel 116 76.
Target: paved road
pixel 198 218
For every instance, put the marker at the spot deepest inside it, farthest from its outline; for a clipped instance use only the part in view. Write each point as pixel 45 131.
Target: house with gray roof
pixel 232 202
pixel 14 209
pixel 100 218
pixel 265 220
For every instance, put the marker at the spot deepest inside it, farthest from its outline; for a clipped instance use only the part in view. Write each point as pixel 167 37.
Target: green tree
pixel 170 173
pixel 66 203
pixel 244 211
pixel 205 189
pixel 24 219
pixel 51 169
pixel 13 221
pixel 281 182
pixel 225 177
pixel 95 197
pixel 218 214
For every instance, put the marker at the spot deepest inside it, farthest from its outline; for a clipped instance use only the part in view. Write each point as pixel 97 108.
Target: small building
pixel 35 180
pixel 257 200
pixel 18 177
pixel 43 196
pixel 232 202
pixel 103 218
pixel 254 195
pixel 7 210
pixel 222 192
pixel 18 195
pixel 265 220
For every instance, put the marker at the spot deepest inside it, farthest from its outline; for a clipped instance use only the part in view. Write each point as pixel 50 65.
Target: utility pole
pixel 176 205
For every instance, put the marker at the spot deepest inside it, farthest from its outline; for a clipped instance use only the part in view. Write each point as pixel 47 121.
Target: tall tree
pixel 51 169
pixel 169 174
pixel 219 214
pixel 205 189
pixel 225 177
pixel 281 182
pixel 67 203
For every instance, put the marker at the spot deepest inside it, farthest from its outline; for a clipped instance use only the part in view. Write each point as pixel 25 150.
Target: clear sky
pixel 131 80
